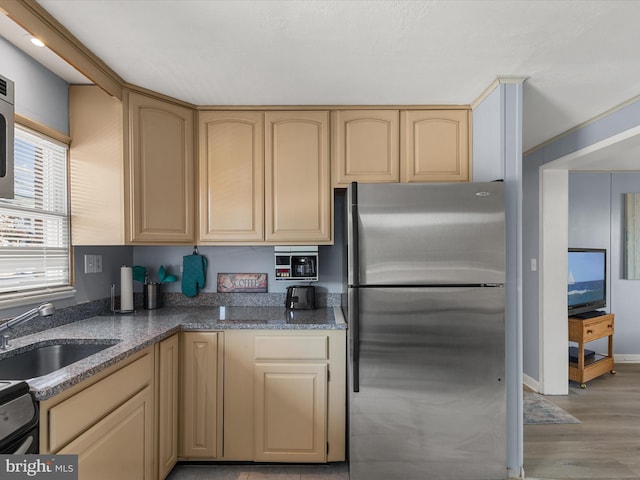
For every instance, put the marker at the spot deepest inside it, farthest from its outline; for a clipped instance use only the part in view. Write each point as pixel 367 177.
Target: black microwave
pixel 296 263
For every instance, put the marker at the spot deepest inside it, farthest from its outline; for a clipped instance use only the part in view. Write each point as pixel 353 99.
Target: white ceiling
pixel 581 57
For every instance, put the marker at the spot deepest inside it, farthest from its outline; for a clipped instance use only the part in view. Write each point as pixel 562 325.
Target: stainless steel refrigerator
pixel 425 308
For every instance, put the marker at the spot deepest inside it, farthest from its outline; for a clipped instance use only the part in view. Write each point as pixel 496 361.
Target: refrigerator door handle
pixel 354 300
pixel 354 325
pixel 355 240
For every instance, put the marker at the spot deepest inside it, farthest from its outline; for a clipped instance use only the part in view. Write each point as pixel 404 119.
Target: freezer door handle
pixel 354 325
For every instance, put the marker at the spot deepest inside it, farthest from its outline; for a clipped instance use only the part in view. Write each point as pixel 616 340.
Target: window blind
pixel 34 226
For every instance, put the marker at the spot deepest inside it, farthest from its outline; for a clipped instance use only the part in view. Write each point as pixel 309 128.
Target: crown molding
pixel 37 21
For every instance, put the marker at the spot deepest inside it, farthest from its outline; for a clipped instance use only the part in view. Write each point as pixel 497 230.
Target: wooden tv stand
pixel 583 330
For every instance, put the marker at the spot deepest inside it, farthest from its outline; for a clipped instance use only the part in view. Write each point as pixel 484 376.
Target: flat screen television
pixel 587 280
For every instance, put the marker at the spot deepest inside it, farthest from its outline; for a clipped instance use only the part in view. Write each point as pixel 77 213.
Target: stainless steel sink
pixel 43 358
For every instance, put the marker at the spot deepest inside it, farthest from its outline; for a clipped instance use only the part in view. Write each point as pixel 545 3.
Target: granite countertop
pixel 134 332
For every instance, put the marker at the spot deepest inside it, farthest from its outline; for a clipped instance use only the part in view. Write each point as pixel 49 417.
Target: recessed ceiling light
pixel 37 42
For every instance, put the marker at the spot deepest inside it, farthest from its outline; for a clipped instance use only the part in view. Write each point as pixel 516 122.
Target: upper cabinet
pixel 231 176
pixel 96 179
pixel 365 146
pixel 159 171
pixel 264 178
pixel 407 146
pixel 297 187
pixel 434 146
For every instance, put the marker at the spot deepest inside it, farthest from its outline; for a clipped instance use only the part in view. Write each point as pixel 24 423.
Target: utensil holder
pixel 151 296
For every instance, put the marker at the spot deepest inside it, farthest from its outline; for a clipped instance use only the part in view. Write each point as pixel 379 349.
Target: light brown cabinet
pixel 400 145
pixel 231 177
pixel 285 396
pixel 365 146
pixel 108 421
pixel 168 364
pixel 201 411
pixel 159 171
pixel 290 392
pixel 297 189
pixel 264 178
pixel 96 175
pixel 434 146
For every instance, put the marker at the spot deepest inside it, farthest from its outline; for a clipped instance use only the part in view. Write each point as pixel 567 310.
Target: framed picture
pixel 242 282
pixel 632 236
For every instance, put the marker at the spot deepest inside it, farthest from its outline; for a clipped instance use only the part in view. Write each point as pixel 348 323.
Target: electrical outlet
pixel 98 264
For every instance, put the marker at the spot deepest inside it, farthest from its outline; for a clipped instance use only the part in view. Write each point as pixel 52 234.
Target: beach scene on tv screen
pixel 586 277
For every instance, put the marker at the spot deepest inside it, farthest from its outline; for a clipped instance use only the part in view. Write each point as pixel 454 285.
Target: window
pixel 34 226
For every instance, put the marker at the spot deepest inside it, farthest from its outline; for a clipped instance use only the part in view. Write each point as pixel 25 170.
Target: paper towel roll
pixel 126 288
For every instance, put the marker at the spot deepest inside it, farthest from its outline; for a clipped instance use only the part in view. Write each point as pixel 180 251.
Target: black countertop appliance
pixel 301 297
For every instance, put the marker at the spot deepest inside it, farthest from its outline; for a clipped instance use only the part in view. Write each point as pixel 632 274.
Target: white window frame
pixel 51 288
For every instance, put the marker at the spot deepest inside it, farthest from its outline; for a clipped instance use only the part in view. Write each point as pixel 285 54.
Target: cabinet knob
pixel 589 331
pixel 609 326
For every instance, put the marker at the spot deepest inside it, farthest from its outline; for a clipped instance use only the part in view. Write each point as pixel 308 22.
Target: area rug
pixel 539 411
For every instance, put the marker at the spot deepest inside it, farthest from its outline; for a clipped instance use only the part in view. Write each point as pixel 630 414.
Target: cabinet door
pixel 168 389
pixel 290 412
pixel 365 146
pixel 298 193
pixel 96 167
pixel 200 396
pixel 231 177
pixel 160 171
pixel 120 445
pixel 434 146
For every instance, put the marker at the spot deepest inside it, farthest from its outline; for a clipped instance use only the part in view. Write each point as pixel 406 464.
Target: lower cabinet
pixel 290 412
pixel 201 401
pixel 279 394
pixel 108 421
pixel 284 396
pixel 168 365
pixel 118 445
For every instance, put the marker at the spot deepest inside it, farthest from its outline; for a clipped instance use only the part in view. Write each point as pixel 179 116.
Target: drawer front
pixel 598 329
pixel 72 416
pixel 275 347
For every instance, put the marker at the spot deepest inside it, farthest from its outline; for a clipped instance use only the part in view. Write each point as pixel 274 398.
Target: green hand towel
pixel 194 274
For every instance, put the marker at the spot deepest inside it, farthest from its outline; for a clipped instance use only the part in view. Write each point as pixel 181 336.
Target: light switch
pixel 89 264
pixel 98 264
pixel 534 265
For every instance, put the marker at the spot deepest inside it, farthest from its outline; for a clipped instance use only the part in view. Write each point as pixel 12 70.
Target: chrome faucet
pixel 43 310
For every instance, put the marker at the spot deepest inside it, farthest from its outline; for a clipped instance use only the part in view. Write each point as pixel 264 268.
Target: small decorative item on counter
pixel 151 290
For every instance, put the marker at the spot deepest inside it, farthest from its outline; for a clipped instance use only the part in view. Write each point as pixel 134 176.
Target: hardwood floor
pixel 605 446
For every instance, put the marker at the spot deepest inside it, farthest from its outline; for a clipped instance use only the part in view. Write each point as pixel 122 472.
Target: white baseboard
pixel 515 473
pixel 626 358
pixel 530 382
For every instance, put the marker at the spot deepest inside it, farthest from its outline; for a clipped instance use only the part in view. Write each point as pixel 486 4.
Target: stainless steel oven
pixel 6 137
pixel 19 425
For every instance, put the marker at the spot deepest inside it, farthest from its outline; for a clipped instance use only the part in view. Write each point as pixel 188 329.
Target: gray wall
pixel 246 260
pixel 596 212
pixel 602 129
pixel 40 94
pixel 624 293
